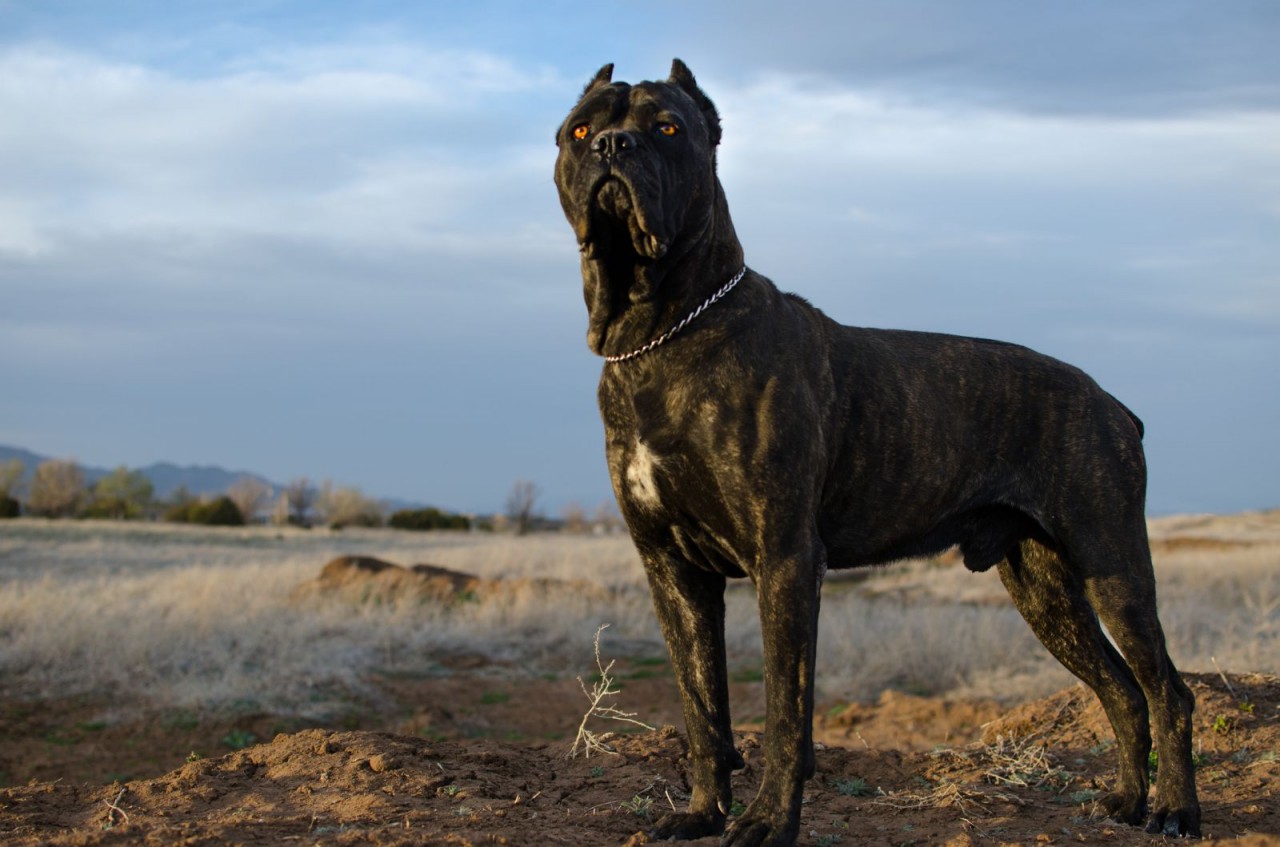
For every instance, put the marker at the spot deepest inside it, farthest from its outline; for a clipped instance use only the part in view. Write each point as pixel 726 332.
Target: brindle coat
pixel 766 441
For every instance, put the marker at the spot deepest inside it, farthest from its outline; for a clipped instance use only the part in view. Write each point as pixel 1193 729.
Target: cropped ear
pixel 682 77
pixel 603 77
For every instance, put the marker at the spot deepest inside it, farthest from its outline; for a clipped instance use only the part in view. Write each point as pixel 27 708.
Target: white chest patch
pixel 640 475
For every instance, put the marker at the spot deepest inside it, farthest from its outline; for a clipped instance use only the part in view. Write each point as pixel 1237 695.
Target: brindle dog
pixel 761 439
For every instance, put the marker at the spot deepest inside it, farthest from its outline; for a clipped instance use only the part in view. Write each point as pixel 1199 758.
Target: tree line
pixel 58 488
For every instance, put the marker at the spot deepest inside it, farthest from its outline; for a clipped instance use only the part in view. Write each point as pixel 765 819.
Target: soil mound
pixel 366 579
pixel 906 722
pixel 1031 782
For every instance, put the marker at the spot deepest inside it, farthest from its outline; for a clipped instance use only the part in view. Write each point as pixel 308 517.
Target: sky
pixel 314 238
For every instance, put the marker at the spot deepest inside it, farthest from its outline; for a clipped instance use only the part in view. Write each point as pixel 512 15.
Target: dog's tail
pixel 1137 422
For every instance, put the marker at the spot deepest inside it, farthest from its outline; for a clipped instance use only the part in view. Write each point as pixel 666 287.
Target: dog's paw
pixel 1176 823
pixel 1128 809
pixel 686 826
pixel 752 830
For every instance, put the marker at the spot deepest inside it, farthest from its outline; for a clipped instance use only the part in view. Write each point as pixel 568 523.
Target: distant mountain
pixel 29 459
pixel 198 479
pixel 165 477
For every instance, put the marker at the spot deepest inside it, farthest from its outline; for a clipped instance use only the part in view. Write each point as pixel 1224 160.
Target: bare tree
pixel 280 511
pixel 349 507
pixel 302 497
pixel 520 505
pixel 575 518
pixel 249 495
pixel 57 489
pixel 606 518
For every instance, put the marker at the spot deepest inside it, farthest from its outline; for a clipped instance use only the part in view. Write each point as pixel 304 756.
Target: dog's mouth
pixel 614 215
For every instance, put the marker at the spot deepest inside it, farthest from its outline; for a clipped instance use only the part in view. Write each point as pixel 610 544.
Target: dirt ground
pixel 483 762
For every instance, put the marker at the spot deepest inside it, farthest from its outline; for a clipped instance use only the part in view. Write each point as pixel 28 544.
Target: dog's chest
pixel 640 475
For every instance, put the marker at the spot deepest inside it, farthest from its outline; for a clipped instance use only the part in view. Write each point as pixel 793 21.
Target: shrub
pixel 429 518
pixel 220 512
pixel 181 511
pixel 9 507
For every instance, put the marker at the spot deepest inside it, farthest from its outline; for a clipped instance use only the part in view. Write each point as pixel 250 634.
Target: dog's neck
pixel 632 302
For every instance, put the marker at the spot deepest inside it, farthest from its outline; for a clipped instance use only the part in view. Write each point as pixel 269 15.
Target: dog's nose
pixel 613 142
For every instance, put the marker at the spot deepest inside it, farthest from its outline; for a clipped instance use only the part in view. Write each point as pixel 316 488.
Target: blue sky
pixel 320 238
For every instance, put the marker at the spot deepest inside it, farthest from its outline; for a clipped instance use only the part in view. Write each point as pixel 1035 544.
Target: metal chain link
pixel 661 339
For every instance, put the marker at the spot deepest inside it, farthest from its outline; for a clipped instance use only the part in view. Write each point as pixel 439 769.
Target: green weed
pixel 854 787
pixel 639 805
pixel 59 738
pixel 650 661
pixel 238 739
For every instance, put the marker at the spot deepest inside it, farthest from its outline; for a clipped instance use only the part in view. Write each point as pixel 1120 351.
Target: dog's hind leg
pixel 1125 600
pixel 689 603
pixel 1052 600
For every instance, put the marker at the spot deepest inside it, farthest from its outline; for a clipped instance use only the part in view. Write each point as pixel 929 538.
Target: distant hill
pixel 165 477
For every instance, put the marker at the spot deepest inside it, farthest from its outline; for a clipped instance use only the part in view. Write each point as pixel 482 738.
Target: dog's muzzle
pixel 614 204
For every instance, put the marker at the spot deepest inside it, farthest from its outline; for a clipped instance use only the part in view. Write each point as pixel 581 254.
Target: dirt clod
pixel 383 762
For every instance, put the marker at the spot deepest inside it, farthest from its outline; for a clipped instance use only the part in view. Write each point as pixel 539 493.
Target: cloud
pixel 1094 57
pixel 320 143
pixel 840 184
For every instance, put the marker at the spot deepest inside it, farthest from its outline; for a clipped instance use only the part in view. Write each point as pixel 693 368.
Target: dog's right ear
pixel 603 77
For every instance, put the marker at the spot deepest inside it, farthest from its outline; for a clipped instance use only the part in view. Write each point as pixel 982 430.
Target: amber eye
pixel 581 131
pixel 668 129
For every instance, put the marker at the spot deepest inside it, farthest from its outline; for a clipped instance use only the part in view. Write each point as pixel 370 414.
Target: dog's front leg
pixel 789 589
pixel 690 607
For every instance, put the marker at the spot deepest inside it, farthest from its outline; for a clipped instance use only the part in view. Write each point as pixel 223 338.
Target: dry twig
pixel 113 809
pixel 943 796
pixel 1225 681
pixel 588 740
pixel 1021 763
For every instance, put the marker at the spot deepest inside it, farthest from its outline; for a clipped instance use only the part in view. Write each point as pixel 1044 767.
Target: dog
pixel 749 435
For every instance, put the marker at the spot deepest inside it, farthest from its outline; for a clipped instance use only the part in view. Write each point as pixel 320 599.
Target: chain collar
pixel 662 339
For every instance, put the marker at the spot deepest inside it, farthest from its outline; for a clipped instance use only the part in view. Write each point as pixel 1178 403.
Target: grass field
pixel 178 616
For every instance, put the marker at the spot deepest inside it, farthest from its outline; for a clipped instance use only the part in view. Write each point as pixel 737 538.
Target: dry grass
pixel 202 617
pixel 190 616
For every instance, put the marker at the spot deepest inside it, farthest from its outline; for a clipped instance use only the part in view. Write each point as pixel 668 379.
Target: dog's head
pixel 636 177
